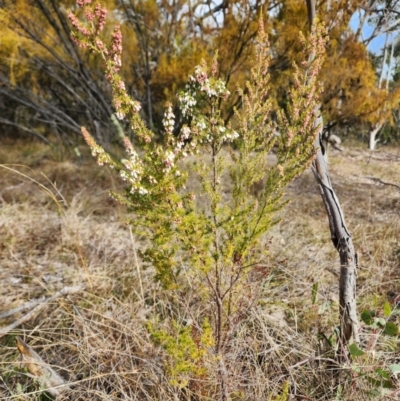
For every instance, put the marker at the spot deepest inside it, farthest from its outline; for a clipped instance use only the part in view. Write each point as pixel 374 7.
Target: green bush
pixel 205 246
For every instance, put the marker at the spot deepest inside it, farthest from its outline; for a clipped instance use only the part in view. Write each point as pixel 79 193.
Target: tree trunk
pixel 342 241
pixel 383 62
pixel 340 236
pixel 372 136
pixel 373 141
pixel 390 67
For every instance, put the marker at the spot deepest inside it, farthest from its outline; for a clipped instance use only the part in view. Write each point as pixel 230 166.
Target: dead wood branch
pixel 49 380
pixel 381 181
pixel 64 291
pixel 340 235
pixel 26 306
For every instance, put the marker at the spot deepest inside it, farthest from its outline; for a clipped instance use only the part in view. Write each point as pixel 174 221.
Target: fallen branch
pixel 49 380
pixel 381 181
pixel 26 306
pixel 64 291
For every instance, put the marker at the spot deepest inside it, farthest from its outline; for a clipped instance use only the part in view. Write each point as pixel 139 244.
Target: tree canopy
pixel 49 87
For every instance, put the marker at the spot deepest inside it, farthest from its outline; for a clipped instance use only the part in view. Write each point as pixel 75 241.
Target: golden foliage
pixel 163 41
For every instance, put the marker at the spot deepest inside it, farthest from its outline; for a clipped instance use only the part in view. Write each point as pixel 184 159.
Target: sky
pixel 377 44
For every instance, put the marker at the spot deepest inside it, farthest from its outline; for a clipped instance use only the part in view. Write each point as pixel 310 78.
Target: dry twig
pixel 26 306
pixel 47 377
pixel 64 291
pixel 381 181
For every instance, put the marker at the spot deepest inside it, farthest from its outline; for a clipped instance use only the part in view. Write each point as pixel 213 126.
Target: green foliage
pixel 387 310
pixel 204 245
pixel 314 293
pixel 186 348
pixel 284 396
pixel 371 319
pixel 377 377
pixel 355 351
pixel 391 329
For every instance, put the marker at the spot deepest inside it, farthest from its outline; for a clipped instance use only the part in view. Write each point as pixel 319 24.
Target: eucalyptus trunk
pixel 373 140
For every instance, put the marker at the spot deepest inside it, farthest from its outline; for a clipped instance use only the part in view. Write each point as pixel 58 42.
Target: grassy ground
pixel 59 227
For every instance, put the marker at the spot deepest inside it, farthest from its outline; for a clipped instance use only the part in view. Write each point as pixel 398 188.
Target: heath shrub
pixel 206 246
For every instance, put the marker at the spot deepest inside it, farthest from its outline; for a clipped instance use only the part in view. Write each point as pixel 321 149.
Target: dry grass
pixel 97 340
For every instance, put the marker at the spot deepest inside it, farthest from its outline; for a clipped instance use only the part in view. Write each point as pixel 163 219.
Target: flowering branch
pixel 87 35
pixel 303 101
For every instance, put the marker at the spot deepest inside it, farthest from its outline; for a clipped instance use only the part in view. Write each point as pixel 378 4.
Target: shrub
pixel 205 243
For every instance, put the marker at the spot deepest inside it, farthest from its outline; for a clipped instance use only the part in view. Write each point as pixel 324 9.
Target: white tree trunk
pixel 383 62
pixel 373 141
pixel 389 71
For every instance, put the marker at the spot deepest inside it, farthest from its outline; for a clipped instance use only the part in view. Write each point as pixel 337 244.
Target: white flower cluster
pixel 133 171
pixel 121 86
pixel 117 60
pixel 220 89
pixel 185 133
pixel 169 161
pixel 200 84
pixel 152 180
pixel 176 145
pixel 120 115
pixel 222 134
pixel 229 135
pixel 187 101
pixel 213 88
pixel 102 157
pixel 184 146
pixel 201 123
pixel 136 105
pixel 169 121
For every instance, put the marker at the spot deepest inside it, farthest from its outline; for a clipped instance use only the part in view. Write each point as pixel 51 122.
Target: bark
pixel 372 136
pixel 383 62
pixel 373 141
pixel 49 379
pixel 342 241
pixel 389 71
pixel 340 235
